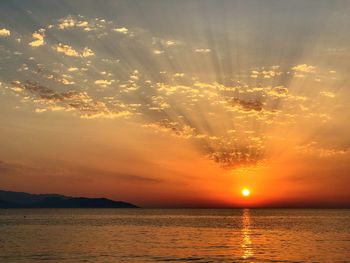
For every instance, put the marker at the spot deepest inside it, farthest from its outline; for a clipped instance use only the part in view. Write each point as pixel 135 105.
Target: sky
pixel 177 103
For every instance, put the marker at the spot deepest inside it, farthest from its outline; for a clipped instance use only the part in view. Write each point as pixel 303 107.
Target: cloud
pixel 170 43
pixel 249 105
pixel 314 149
pixel 327 94
pixel 65 81
pixel 202 50
pixel 67 50
pixel 72 69
pixel 66 22
pixel 266 74
pixel 70 22
pixel 71 52
pixel 121 30
pixel 38 38
pixel 278 91
pixel 105 115
pixel 304 68
pixel 52 100
pixel 4 32
pixel 179 75
pixel 158 52
pixel 87 52
pixel 40 110
pixel 103 83
pixel 163 92
pixel 75 171
pixel 10 168
pixel 174 128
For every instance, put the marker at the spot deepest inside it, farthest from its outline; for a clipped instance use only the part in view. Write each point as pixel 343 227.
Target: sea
pixel 174 235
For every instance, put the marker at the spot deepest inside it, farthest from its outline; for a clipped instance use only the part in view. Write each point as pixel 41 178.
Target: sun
pixel 245 192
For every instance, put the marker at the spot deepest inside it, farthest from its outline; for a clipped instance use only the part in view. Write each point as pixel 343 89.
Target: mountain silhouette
pixel 9 199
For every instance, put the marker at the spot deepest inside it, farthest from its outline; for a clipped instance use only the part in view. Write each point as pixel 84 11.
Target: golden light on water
pixel 247 244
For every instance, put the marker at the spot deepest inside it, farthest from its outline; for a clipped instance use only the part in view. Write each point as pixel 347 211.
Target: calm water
pixel 141 235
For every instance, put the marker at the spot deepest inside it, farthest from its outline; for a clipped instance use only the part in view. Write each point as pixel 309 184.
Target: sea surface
pixel 178 235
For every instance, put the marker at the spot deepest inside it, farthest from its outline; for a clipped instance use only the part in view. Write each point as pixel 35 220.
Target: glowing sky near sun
pixel 177 103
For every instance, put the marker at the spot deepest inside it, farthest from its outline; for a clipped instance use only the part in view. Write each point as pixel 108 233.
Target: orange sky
pixel 151 104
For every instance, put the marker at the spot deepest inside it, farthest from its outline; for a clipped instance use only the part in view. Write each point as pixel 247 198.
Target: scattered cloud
pixel 170 43
pixel 202 50
pixel 72 69
pixel 71 22
pixel 304 68
pixel 121 30
pixel 4 32
pixel 158 52
pixel 179 75
pixel 51 100
pixel 327 94
pixel 103 83
pixel 66 22
pixel 38 37
pixel 71 52
pixel 67 50
pixel 87 52
pixel 164 94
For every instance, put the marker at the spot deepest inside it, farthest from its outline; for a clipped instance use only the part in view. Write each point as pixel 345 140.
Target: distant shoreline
pixel 21 200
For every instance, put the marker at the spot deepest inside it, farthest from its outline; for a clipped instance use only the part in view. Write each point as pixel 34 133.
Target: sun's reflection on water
pixel 246 245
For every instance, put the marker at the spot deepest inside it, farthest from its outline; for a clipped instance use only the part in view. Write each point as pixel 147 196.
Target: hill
pixel 9 199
